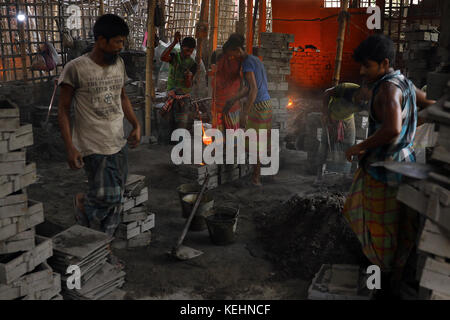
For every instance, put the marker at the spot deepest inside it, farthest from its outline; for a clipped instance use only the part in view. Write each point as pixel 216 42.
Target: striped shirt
pixel 401 149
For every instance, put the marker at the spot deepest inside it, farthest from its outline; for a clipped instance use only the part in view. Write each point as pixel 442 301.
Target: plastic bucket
pixel 198 222
pixel 222 225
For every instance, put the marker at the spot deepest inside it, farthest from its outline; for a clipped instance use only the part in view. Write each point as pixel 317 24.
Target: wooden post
pixel 202 30
pixel 340 42
pixel 249 36
pixel 149 88
pixel 101 10
pixel 262 18
pixel 240 26
pixel 23 53
pixel 255 15
pixel 216 25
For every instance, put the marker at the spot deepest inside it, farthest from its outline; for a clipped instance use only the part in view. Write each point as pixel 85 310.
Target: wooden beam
pixel 249 36
pixel 149 87
pixel 23 52
pixel 201 31
pixel 101 10
pixel 240 26
pixel 340 41
pixel 262 18
pixel 216 25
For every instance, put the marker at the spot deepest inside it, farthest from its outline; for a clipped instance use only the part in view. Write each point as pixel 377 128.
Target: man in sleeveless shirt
pixel 386 229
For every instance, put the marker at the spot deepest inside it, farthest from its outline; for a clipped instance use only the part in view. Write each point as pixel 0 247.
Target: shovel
pixel 182 252
pixel 45 125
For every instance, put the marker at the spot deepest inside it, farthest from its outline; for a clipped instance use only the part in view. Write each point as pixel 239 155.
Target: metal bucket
pixel 185 189
pixel 222 225
pixel 204 209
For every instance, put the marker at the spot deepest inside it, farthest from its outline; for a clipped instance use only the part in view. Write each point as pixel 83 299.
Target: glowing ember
pixel 290 104
pixel 206 139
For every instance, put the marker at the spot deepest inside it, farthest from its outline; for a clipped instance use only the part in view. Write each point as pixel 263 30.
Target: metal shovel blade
pixel 186 253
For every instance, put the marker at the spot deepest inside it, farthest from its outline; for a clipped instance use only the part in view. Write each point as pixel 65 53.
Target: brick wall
pixel 311 69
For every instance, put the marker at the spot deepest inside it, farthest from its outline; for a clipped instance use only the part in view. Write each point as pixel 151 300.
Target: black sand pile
pixel 306 232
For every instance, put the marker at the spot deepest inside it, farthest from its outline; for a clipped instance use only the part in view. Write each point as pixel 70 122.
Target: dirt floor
pixel 247 269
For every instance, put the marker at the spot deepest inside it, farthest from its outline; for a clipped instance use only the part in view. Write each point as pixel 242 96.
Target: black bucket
pixel 204 209
pixel 222 225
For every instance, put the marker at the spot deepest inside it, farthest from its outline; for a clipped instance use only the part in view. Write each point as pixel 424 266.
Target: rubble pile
pixel 310 229
pixel 24 272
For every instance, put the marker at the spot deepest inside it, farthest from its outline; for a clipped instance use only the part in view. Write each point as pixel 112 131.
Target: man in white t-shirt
pixel 95 83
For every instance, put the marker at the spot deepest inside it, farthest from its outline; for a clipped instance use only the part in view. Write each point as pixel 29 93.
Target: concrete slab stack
pixel 24 273
pixel 431 198
pixel 86 249
pixel 136 221
pixel 339 282
pixel 277 57
pixel 421 43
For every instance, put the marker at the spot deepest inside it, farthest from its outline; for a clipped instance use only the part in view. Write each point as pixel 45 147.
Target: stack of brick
pixel 80 255
pixel 24 272
pixel 219 174
pixel 421 41
pixel 197 173
pixel 277 57
pixel 431 198
pixel 136 221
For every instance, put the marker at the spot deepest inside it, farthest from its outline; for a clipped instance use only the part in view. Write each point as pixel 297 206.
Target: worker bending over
pixel 340 103
pixel 257 111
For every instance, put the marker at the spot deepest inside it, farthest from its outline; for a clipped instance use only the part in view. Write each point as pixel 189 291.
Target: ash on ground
pixel 48 145
pixel 308 231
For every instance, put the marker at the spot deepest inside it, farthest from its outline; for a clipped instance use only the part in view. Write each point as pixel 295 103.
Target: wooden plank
pixel 434 240
pixel 39 279
pixel 19 142
pixel 16 246
pixel 12 268
pixel 436 276
pixel 12 156
pixel 413 198
pixel 33 217
pixel 436 295
pixel 13 167
pixel 46 293
pixel 13 206
pixel 9 124
pixel 9 109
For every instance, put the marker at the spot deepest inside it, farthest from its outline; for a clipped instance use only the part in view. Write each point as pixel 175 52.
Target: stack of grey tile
pixel 136 221
pixel 277 57
pixel 85 250
pixel 24 273
pixel 339 282
pixel 197 173
pixel 421 42
pixel 431 198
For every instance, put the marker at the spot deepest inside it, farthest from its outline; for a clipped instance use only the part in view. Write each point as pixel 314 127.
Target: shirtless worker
pixel 386 229
pixel 95 83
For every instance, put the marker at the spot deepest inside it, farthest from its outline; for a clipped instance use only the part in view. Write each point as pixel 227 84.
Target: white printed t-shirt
pixel 98 124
